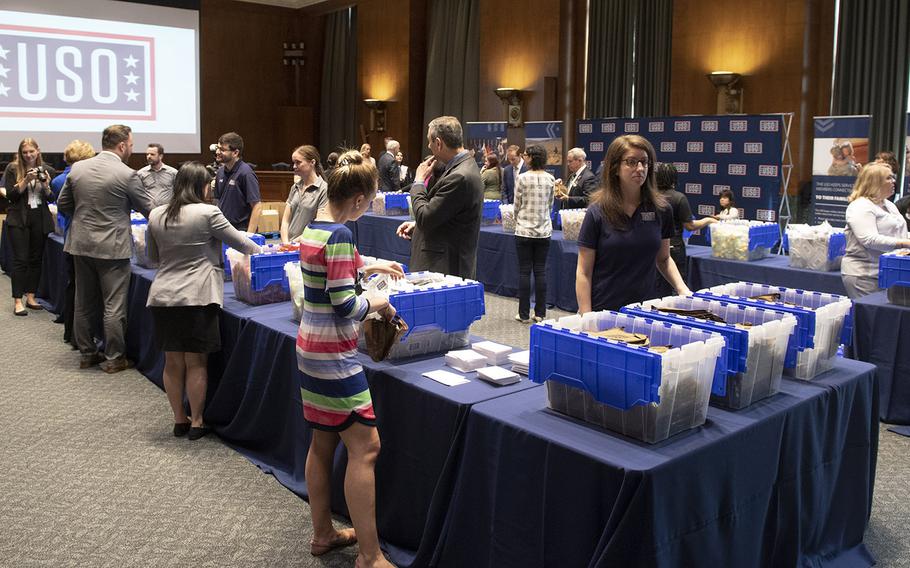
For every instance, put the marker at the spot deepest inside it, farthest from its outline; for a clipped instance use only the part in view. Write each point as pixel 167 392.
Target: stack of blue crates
pixel 491 215
pixel 256 238
pixel 894 275
pixel 631 389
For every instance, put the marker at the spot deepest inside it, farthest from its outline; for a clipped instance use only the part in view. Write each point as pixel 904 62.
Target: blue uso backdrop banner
pixel 711 153
pixel 841 146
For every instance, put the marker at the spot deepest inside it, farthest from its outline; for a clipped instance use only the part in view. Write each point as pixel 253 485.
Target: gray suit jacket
pixel 448 220
pixel 98 195
pixel 188 253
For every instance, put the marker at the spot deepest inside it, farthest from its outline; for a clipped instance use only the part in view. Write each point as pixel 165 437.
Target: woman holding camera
pixel 28 189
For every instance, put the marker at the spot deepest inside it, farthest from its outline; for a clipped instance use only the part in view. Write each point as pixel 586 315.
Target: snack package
pixel 381 334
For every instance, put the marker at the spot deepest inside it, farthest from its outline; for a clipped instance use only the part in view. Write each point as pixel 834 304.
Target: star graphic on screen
pixel 131 96
pixel 3 71
pixel 131 78
pixel 3 90
pixel 3 52
pixel 130 61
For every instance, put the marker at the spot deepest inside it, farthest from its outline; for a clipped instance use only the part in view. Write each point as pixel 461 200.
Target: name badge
pixel 233 183
pixel 647 215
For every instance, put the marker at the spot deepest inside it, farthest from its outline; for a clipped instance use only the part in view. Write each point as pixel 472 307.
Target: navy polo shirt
pixel 237 191
pixel 624 269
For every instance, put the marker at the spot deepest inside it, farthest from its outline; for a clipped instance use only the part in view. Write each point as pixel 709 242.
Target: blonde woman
pixel 874 226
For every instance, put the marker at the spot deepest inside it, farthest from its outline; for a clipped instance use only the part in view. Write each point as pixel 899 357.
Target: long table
pixel 497 263
pixel 477 471
pixel 785 482
pixel 881 336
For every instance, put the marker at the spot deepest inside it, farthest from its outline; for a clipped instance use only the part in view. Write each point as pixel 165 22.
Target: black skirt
pixel 188 329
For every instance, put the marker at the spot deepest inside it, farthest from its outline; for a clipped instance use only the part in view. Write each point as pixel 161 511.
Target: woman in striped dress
pixel 336 397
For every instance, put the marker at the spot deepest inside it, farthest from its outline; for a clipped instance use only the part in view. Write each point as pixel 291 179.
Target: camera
pixel 40 173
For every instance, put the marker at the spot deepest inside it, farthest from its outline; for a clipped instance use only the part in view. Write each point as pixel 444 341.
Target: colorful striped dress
pixel 333 385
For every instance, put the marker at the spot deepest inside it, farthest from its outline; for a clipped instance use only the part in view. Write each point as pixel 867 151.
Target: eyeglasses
pixel 633 162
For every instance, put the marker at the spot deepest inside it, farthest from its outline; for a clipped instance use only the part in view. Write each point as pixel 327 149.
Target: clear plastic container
pixel 894 274
pixel 139 232
pixel 295 283
pixel 571 220
pixel 818 247
pixel 390 204
pixel 755 353
pixel 743 240
pixel 260 278
pixel 490 215
pixel 507 214
pixel 637 391
pixel 824 320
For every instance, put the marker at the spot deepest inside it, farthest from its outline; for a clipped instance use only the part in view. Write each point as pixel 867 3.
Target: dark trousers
pixel 28 248
pixel 678 254
pixel 101 287
pixel 532 255
pixel 69 298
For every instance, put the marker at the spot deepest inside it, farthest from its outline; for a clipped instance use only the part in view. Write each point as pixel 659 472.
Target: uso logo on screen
pixel 681 167
pixel 751 192
pixel 668 146
pixel 693 188
pixel 48 72
pixel 707 168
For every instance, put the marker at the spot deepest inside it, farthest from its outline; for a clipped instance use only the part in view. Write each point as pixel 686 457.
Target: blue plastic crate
pixel 491 212
pixel 612 372
pixel 258 239
pixel 837 245
pixel 764 236
pixel 136 218
pixel 268 269
pixel 893 270
pixel 448 307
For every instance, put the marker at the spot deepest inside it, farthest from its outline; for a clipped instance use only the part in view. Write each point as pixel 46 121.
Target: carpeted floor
pixel 91 476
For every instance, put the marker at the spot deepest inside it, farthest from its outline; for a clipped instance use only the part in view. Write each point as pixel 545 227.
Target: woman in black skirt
pixel 28 187
pixel 185 238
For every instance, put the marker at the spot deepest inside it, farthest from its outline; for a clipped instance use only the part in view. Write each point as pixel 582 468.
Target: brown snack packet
pixel 382 334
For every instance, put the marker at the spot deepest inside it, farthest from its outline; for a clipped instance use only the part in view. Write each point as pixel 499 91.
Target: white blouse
pixel 871 230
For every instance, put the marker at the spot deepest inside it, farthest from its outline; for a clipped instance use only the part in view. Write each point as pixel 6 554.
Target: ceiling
pixel 286 3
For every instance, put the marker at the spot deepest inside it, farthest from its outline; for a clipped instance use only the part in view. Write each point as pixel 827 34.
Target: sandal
pixel 343 538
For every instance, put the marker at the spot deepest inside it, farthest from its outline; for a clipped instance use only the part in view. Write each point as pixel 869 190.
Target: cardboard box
pixel 269 221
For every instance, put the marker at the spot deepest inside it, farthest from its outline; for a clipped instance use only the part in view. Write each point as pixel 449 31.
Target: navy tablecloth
pixel 786 482
pixel 52 285
pixel 257 409
pixel 881 336
pixel 497 261
pixel 706 271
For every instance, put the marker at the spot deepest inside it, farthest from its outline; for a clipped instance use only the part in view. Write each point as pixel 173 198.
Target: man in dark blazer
pixel 447 215
pixel 582 181
pixel 389 168
pixel 98 195
pixel 509 177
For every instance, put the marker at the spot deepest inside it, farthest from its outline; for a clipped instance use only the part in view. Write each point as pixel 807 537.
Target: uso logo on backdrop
pixel 723 147
pixel 707 168
pixel 681 167
pixel 705 209
pixel 769 125
pixel 682 126
pixel 695 147
pixel 751 192
pixel 668 146
pixel 655 127
pixel 47 72
pixel 767 171
pixel 739 125
pixel 719 188
pixel 736 169
pixel 597 147
pixel 709 126
pixel 631 127
pixel 693 188
pixel 607 127
pixel 752 148
pixel 767 215
pixel 585 128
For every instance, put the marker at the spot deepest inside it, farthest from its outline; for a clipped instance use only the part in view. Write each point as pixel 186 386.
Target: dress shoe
pixel 181 428
pixel 196 433
pixel 33 306
pixel 90 360
pixel 116 365
pixel 22 312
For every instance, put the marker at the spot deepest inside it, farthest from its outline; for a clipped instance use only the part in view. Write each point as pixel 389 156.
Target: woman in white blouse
pixel 728 208
pixel 874 226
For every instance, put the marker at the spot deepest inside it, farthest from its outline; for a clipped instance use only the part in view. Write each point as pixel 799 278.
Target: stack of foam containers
pixel 571 220
pixel 635 391
pixel 255 237
pixel 818 247
pixel 894 275
pixel 507 214
pixel 743 240
pixel 439 314
pixel 755 355
pixel 823 321
pixel 261 278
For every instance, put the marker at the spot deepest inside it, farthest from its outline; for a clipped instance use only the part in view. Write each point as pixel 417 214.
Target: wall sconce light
pixel 377 114
pixel 729 91
pixel 511 98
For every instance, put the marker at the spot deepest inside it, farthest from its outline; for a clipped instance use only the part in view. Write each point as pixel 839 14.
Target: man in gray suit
pixel 98 195
pixel 447 226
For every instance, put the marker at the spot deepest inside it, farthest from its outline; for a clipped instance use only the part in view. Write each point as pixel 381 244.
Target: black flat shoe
pixel 20 312
pixel 196 433
pixel 181 428
pixel 33 306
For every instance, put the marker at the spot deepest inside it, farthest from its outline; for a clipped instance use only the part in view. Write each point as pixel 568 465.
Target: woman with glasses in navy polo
pixel 625 236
